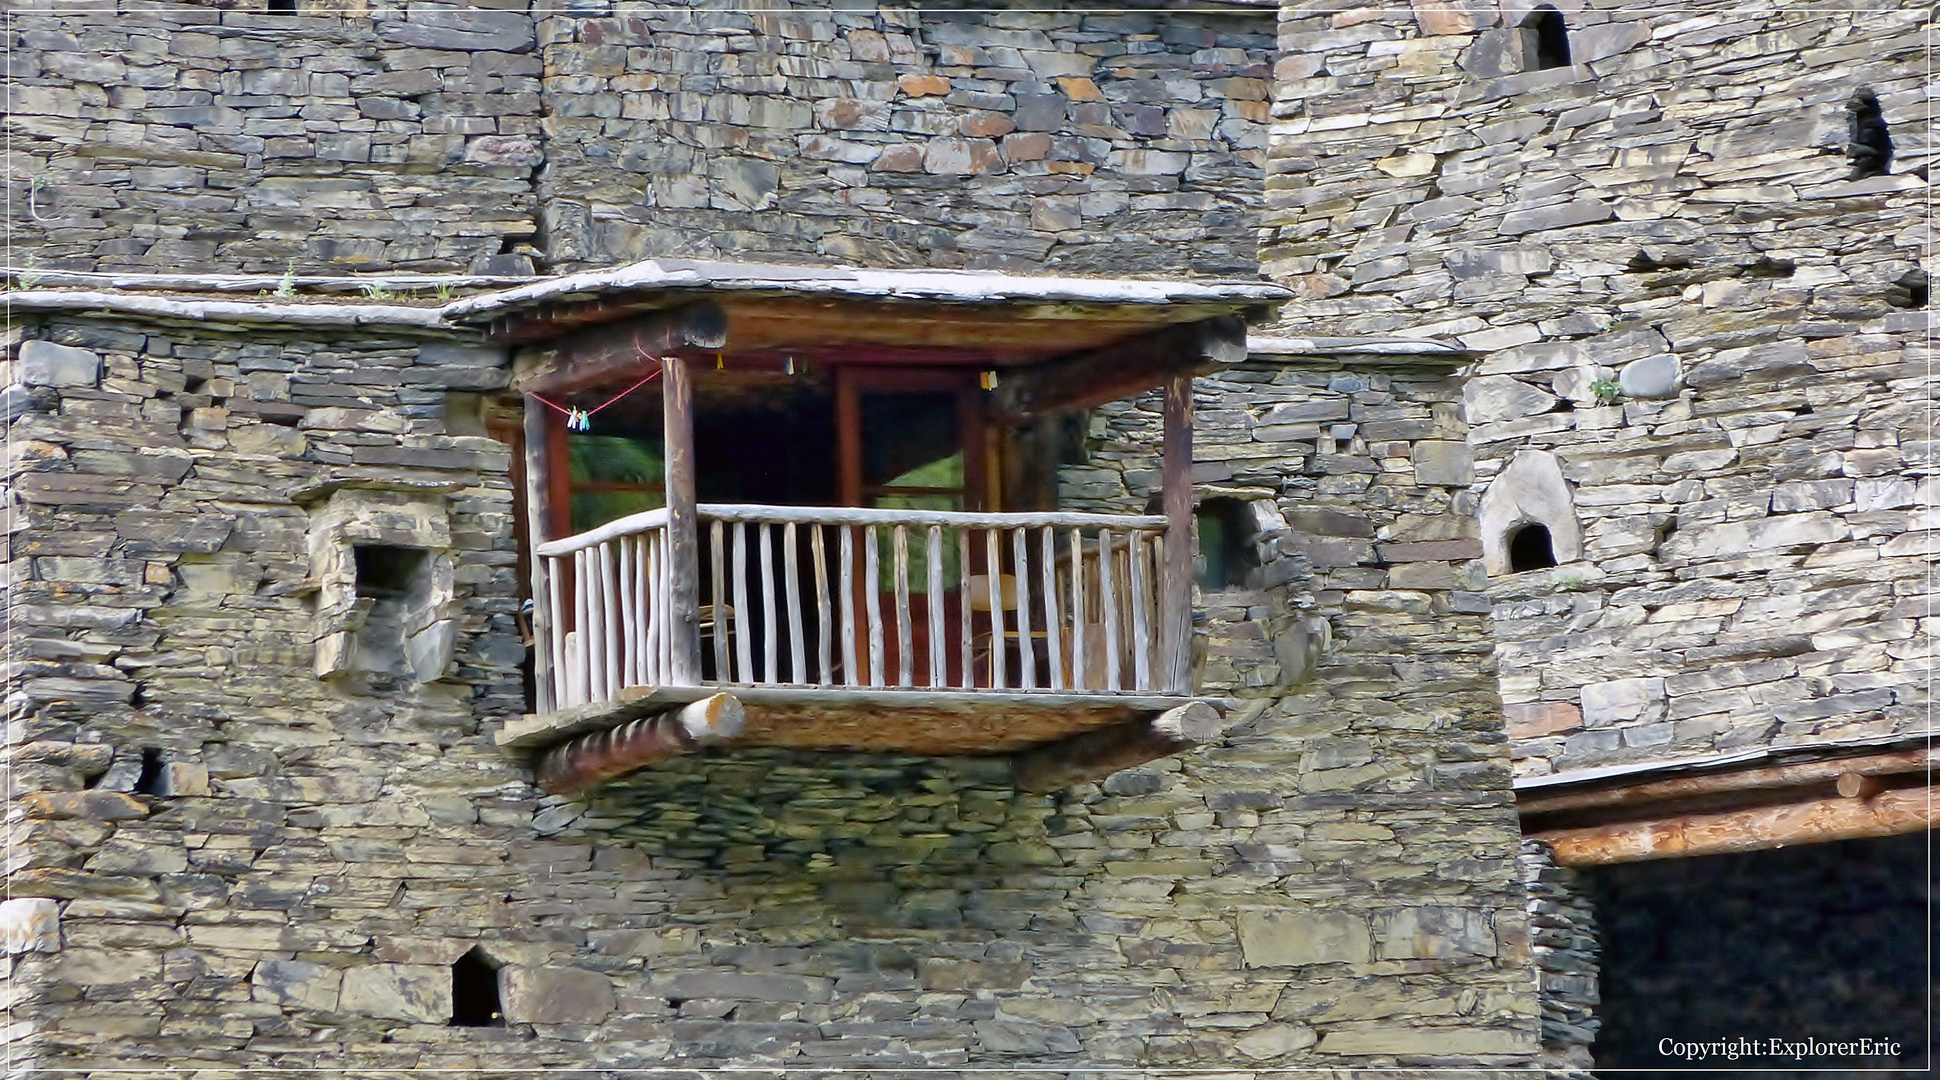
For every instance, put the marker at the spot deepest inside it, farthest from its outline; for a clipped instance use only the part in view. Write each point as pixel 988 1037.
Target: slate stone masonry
pixel 1688 322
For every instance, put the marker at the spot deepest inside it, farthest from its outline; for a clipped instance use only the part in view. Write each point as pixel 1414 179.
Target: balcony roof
pixel 1016 317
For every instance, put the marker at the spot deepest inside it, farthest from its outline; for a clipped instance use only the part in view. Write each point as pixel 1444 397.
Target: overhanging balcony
pixel 908 585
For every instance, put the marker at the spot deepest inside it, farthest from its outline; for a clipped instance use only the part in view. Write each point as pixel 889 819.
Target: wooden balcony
pixel 929 632
pixel 786 595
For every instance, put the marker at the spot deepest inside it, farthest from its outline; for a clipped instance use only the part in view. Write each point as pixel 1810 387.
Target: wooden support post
pixel 1097 754
pixel 545 621
pixel 587 760
pixel 682 563
pixel 1176 607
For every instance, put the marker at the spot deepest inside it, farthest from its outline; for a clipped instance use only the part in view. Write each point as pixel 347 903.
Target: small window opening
pixel 282 5
pixel 150 780
pixel 474 991
pixel 1545 40
pixel 394 587
pixel 1869 148
pixel 1226 555
pixel 1530 549
pixel 1911 290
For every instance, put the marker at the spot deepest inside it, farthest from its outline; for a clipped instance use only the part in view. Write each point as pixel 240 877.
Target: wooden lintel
pixel 1124 369
pixel 1717 783
pixel 1899 810
pixel 1097 754
pixel 588 760
pixel 613 351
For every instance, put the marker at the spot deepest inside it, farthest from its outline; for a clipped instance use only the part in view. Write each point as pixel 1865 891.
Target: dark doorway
pixel 1530 548
pixel 474 992
pixel 1825 942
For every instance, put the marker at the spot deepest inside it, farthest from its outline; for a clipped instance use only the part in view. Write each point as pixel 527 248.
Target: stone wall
pixel 1079 142
pixel 181 137
pixel 234 846
pixel 1698 366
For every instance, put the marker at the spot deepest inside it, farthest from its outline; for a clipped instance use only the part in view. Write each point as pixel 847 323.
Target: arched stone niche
pixel 1529 491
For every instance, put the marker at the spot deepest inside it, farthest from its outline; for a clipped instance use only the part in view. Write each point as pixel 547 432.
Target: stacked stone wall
pixel 1078 142
pixel 224 858
pixel 187 138
pixel 1703 367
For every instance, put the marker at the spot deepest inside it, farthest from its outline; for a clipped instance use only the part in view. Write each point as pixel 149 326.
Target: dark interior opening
pixel 282 5
pixel 385 572
pixel 1818 942
pixel 1226 555
pixel 474 992
pixel 1546 39
pixel 150 780
pixel 1530 549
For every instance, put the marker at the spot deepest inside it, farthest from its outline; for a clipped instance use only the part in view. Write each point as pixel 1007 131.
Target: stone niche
pixel 383 568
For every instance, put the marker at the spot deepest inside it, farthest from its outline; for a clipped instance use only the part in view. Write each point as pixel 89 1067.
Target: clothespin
pixel 987 380
pixel 579 420
pixel 720 361
pixel 788 365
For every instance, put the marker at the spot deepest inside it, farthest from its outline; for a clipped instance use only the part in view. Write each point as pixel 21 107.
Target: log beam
pixel 1114 372
pixel 1887 813
pixel 588 760
pixel 607 353
pixel 1095 755
pixel 1763 778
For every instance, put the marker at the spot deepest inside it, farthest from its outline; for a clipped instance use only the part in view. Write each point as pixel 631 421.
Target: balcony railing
pixel 793 596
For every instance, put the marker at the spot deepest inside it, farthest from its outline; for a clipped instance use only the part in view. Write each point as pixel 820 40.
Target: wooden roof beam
pixel 1118 371
pixel 614 351
pixel 1888 813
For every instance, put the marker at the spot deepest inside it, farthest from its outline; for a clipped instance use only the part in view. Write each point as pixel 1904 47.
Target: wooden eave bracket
pixel 585 761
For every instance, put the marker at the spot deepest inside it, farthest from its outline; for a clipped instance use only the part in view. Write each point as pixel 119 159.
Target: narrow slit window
pixel 150 780
pixel 474 991
pixel 1530 548
pixel 1545 40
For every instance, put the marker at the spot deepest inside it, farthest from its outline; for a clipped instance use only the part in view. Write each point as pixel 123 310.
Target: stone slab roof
pixel 970 287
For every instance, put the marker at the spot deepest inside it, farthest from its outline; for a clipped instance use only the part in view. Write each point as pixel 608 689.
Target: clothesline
pixel 582 419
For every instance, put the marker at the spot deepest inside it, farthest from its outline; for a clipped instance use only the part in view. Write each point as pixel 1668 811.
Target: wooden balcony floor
pixel 917 721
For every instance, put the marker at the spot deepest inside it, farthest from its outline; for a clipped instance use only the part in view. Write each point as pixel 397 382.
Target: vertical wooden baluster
pixel 850 668
pixel 939 663
pixel 610 602
pixel 1053 624
pixel 1108 596
pixel 905 633
pixel 1175 607
pixel 629 615
pixel 721 671
pixel 1080 660
pixel 561 693
pixel 770 633
pixel 1157 578
pixel 1141 628
pixel 582 623
pixel 1026 652
pixel 792 576
pixel 965 645
pixel 999 678
pixel 743 638
pixel 872 600
pixel 824 634
pixel 649 592
pixel 667 583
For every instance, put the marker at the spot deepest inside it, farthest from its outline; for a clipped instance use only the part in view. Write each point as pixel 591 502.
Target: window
pixel 1530 549
pixel 474 991
pixel 1545 40
pixel 1226 555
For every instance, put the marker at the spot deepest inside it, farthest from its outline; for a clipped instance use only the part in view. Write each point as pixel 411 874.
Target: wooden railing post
pixel 537 520
pixel 682 568
pixel 1177 482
